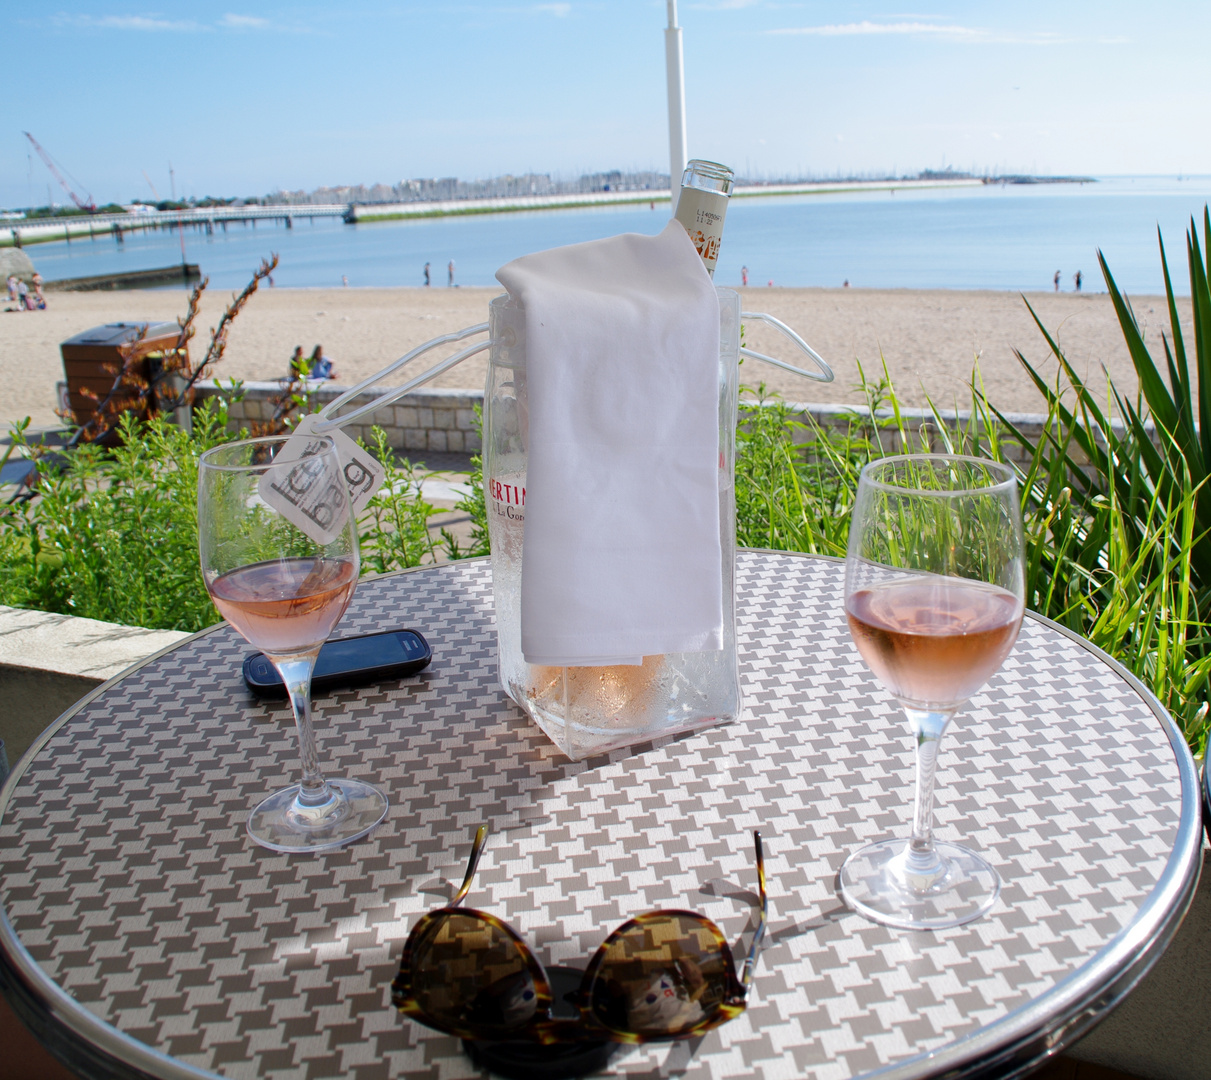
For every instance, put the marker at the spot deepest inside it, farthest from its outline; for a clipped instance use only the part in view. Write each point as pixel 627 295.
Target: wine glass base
pixel 882 883
pixel 283 823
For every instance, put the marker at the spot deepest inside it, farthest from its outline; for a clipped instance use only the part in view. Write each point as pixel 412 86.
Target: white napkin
pixel 622 552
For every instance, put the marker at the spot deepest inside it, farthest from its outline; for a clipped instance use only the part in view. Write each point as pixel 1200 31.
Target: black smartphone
pixel 392 654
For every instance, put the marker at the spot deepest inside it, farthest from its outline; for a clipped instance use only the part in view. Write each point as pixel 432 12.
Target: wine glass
pixel 278 546
pixel 934 589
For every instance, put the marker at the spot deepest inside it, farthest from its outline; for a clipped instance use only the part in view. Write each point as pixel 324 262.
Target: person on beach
pixel 426 275
pixel 1076 278
pixel 298 365
pixel 744 275
pixel 450 271
pixel 1057 281
pixel 12 288
pixel 22 296
pixel 321 366
pixel 41 300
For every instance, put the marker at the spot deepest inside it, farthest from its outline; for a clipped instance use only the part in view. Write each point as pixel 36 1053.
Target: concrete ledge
pixel 48 662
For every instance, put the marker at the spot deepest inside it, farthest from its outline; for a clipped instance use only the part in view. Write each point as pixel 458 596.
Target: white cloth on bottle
pixel 622 555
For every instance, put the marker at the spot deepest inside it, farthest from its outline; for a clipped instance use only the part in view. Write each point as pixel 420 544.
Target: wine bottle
pixel 706 187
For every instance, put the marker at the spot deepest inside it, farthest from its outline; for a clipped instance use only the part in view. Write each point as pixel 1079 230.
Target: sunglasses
pixel 660 976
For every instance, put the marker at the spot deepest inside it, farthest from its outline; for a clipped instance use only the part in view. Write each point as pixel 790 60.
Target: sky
pixel 244 98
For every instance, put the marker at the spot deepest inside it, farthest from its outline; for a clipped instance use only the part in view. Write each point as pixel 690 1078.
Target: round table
pixel 144 934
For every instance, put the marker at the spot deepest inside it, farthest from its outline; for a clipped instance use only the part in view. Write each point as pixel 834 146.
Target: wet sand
pixel 930 340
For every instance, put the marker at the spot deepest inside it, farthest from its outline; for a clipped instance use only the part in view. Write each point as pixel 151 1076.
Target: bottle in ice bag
pixel 589 710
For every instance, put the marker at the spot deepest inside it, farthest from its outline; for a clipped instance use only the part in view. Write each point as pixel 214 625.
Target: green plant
pixel 114 536
pixel 796 479
pixel 474 506
pixel 1117 494
pixel 394 529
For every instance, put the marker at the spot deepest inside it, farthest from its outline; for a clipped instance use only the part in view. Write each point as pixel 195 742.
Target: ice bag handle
pixel 825 373
pixel 328 418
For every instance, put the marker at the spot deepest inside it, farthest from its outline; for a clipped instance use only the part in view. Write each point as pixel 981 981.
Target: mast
pixel 675 70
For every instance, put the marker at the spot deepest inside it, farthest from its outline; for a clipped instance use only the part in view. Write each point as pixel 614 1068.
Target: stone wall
pixel 441 421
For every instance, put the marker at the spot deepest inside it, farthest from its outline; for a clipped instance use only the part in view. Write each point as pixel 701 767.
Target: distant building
pixel 450 188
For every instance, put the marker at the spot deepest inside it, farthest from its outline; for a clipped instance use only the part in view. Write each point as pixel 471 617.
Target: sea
pixel 1011 237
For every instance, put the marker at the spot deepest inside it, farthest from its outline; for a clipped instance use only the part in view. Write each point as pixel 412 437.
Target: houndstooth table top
pixel 144 919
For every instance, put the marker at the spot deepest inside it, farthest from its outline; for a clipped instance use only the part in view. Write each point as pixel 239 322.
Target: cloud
pixel 153 23
pixel 560 11
pixel 971 34
pixel 243 22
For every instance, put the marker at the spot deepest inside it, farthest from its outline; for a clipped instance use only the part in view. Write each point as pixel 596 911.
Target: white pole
pixel 675 70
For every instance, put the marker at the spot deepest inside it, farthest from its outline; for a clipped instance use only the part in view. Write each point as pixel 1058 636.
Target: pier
pixel 204 219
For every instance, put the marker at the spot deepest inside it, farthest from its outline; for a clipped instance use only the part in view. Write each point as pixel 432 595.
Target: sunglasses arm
pixel 750 961
pixel 477 849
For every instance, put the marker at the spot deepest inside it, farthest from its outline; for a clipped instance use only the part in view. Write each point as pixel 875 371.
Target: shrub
pixel 113 536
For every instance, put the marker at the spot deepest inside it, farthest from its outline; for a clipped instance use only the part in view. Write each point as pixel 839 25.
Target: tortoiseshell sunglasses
pixel 660 976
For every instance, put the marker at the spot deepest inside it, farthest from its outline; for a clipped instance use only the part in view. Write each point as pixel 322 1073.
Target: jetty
pixel 131 279
pixel 204 219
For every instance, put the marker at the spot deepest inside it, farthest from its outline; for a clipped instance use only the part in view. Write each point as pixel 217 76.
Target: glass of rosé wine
pixel 278 546
pixel 934 595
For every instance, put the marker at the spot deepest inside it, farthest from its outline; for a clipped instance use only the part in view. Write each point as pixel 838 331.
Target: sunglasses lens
pixel 471 975
pixel 661 976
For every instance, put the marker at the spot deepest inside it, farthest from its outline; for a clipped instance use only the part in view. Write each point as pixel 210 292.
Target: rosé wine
pixel 286 605
pixel 933 641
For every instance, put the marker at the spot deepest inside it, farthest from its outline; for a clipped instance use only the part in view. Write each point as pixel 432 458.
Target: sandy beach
pixel 929 339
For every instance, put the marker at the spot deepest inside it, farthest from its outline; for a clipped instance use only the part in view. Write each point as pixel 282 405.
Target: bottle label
pixel 507 497
pixel 702 213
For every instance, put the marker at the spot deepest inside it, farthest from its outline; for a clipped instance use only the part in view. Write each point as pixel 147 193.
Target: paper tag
pixel 363 473
pixel 306 494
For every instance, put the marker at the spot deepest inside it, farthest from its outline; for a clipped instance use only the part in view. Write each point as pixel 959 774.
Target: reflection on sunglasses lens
pixel 662 975
pixel 470 974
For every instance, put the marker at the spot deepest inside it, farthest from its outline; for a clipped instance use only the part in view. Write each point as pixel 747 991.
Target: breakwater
pixel 365 212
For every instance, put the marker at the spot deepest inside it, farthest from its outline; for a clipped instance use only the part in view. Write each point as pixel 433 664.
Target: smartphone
pixel 393 654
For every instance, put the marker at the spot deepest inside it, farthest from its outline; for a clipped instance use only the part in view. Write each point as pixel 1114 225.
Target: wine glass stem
pixel 296 674
pixel 927 729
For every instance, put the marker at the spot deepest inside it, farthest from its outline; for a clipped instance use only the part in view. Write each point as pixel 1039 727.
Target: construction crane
pixel 88 207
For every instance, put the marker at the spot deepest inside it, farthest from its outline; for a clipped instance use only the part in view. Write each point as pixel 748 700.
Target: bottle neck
pixel 702 207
